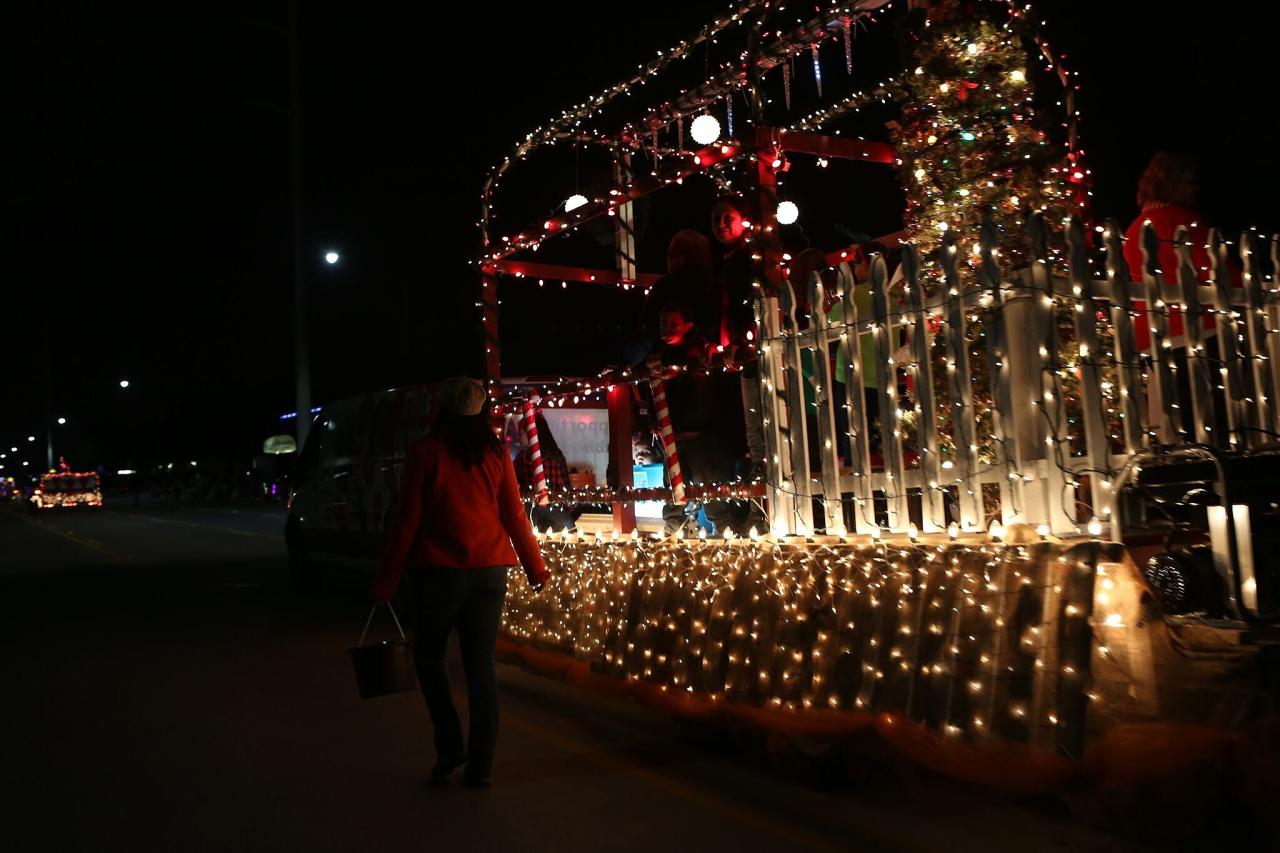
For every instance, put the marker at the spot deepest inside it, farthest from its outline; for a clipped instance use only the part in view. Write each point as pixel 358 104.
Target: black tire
pixel 304 572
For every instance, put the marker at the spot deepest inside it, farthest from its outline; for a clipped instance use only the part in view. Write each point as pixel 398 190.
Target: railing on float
pixel 1049 461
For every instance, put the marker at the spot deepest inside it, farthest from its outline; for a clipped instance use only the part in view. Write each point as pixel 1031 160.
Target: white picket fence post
pixel 1004 429
pixel 1051 434
pixel 797 427
pixel 933 512
pixel 1263 394
pixel 855 403
pixel 964 424
pixel 1128 372
pixel 1201 401
pixel 825 403
pixel 1271 321
pixel 772 386
pixel 1162 391
pixel 885 331
pixel 1085 314
pixel 1232 376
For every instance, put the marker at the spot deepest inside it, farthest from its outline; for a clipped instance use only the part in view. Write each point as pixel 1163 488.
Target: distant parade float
pixel 62 487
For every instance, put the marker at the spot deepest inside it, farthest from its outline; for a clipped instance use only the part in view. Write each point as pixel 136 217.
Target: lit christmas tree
pixel 974 147
pixel 973 144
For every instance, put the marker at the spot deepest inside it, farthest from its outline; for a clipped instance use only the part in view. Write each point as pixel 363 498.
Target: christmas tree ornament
pixel 705 129
pixel 786 81
pixel 817 67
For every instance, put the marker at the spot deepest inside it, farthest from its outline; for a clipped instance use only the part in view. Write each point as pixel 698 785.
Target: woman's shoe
pixel 476 781
pixel 444 768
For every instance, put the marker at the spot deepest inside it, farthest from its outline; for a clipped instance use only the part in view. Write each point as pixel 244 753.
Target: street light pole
pixel 48 407
pixel 301 355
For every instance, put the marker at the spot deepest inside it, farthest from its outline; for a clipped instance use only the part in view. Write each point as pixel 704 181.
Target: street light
pixel 331 257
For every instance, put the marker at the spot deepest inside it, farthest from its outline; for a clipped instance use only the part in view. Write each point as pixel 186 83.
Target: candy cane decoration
pixel 535 452
pixel 659 388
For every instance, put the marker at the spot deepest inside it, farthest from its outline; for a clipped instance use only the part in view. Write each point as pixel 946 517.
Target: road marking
pixel 84 542
pixel 274 536
pixel 689 793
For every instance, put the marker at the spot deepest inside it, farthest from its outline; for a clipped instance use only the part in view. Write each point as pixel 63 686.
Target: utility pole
pixel 301 355
pixel 48 406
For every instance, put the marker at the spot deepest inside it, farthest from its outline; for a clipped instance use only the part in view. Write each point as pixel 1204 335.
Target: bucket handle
pixel 369 622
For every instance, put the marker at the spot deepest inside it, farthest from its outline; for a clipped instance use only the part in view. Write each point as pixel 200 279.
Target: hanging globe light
pixel 788 213
pixel 574 202
pixel 705 129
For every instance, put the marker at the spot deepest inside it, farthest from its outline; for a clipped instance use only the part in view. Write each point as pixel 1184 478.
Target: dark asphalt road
pixel 165 690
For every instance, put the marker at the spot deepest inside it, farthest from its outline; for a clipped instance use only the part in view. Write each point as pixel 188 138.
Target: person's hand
pixel 537 580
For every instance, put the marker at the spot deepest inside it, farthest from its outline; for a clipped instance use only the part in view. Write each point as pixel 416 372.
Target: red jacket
pixel 455 516
pixel 1166 218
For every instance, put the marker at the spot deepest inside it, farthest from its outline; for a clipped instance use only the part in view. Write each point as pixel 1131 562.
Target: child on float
pixel 703 404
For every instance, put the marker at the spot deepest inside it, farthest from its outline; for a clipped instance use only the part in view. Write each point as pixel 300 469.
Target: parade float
pixel 62 487
pixel 1048 566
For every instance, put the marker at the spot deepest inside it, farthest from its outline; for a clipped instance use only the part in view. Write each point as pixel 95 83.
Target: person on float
pixel 1167 192
pixel 457 517
pixel 688 281
pixel 704 417
pixel 554 468
pixel 734 331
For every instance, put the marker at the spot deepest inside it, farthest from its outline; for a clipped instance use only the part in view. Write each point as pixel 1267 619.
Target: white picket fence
pixel 1043 477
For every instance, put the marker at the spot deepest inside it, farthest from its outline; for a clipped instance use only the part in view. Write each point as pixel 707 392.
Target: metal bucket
pixel 384 667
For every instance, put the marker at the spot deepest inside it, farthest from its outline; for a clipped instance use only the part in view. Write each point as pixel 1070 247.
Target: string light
pixel 849 628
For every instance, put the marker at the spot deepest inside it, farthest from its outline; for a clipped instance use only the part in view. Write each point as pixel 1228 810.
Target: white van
pixel 346 477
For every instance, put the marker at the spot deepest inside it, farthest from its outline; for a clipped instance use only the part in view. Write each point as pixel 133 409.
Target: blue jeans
pixel 471 601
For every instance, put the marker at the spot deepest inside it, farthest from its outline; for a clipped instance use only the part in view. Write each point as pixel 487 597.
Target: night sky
pixel 147 194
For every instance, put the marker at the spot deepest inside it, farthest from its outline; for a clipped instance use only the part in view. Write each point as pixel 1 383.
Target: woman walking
pixel 459 515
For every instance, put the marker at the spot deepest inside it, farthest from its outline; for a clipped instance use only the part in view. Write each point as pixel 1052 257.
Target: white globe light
pixel 574 202
pixel 31 438
pixel 124 383
pixel 705 129
pixel 331 257
pixel 788 213
pixel 61 421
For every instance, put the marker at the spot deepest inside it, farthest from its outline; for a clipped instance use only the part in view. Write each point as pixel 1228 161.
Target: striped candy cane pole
pixel 659 388
pixel 535 452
